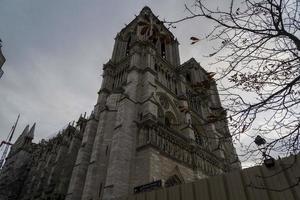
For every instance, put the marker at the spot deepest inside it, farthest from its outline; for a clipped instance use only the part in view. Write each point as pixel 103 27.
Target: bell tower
pixel 145 126
pixel 147 28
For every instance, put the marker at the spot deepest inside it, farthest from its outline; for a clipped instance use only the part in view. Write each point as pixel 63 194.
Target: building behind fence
pixel 281 182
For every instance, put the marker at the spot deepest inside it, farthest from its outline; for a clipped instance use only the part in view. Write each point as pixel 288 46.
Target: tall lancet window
pixel 128 45
pixel 163 48
pixel 188 77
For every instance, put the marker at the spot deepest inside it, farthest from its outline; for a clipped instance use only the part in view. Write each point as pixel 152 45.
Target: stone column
pixel 122 152
pixel 82 161
pixel 147 85
pixel 123 143
pixel 186 128
pixel 95 178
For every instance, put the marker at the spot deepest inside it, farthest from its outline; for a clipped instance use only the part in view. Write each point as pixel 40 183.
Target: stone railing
pixel 180 148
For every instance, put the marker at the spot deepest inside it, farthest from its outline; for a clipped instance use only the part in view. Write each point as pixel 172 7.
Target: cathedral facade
pixel 155 120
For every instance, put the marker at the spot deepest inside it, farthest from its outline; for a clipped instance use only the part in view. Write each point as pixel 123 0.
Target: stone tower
pixel 155 119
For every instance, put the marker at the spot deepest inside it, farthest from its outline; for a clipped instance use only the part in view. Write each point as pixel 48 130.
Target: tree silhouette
pixel 260 76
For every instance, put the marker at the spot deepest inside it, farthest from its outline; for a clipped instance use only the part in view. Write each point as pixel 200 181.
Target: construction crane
pixel 5 144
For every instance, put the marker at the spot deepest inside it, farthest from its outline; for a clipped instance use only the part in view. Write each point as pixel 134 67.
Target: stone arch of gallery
pixel 170 119
pixel 167 111
pixel 167 104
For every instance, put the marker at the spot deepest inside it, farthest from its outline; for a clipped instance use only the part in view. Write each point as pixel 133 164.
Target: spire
pixel 19 142
pixel 23 134
pixel 30 134
pixel 25 131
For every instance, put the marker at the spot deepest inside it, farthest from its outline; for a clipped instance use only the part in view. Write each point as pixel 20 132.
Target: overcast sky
pixel 55 51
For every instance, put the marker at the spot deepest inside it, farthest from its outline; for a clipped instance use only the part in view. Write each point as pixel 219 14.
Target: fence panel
pixel 281 182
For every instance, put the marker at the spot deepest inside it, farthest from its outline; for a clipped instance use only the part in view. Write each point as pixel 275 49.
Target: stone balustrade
pixel 180 148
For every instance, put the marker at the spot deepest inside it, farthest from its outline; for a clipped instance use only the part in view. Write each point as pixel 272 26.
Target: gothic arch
pixel 161 97
pixel 170 119
pixel 167 112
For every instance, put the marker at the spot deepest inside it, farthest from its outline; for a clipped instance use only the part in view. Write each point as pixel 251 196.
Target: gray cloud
pixel 55 51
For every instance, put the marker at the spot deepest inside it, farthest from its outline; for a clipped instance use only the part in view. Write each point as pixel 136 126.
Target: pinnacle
pixel 30 134
pixel 25 131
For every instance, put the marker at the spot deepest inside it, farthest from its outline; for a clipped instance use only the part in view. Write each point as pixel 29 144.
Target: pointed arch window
pixel 155 67
pixel 163 48
pixel 167 122
pixel 188 77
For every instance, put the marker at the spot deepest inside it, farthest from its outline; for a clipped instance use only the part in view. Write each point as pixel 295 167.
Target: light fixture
pixel 259 140
pixel 269 162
